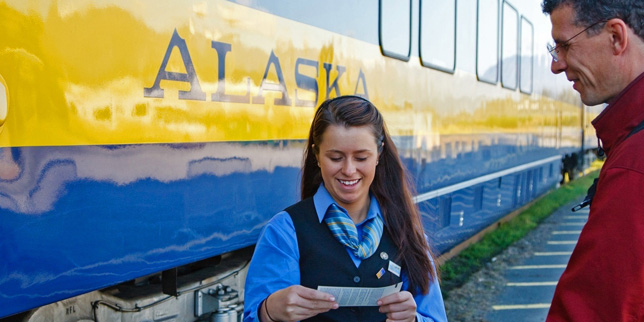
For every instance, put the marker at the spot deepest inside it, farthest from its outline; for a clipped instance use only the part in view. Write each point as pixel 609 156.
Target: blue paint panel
pixel 74 234
pixel 80 218
pixel 453 162
pixel 500 197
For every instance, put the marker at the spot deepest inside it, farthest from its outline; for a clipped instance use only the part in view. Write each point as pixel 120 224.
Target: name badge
pixel 394 268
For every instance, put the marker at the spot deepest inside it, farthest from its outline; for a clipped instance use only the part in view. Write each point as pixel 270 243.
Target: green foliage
pixel 457 270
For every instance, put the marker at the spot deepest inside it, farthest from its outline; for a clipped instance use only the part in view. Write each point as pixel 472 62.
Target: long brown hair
pixel 390 186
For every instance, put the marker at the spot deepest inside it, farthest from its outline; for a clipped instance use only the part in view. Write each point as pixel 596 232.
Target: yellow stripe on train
pixel 121 80
pixel 86 74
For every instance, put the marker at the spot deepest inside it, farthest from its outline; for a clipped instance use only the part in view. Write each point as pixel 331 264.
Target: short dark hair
pixel 591 11
pixel 391 185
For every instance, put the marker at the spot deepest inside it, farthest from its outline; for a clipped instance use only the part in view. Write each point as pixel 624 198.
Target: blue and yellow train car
pixel 144 144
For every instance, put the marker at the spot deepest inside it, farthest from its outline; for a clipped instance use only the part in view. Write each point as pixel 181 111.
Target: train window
pixel 527 55
pixel 487 41
pixel 510 47
pixel 438 34
pixel 395 28
pixel 466 35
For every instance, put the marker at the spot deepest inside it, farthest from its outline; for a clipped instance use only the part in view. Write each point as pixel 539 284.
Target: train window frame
pixel 423 61
pixel 478 40
pixel 507 5
pixel 384 50
pixel 531 56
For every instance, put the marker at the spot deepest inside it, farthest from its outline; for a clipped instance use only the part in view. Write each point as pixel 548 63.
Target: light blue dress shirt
pixel 275 264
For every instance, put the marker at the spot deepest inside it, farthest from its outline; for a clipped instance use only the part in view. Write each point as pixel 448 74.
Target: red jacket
pixel 604 279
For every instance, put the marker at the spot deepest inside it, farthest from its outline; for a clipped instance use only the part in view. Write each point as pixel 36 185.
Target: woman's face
pixel 348 157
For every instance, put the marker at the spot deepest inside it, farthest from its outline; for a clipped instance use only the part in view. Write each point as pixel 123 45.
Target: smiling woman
pixel 347 157
pixel 354 182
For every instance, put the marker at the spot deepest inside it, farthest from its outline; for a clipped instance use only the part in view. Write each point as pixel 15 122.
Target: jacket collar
pixel 617 120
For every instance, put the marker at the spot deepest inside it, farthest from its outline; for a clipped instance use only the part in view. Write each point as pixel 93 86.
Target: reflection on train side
pixel 32 180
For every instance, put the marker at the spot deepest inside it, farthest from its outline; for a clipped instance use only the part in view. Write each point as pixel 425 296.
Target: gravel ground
pixel 472 301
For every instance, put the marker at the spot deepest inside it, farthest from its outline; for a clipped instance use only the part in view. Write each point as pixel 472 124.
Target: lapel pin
pixel 380 273
pixel 384 256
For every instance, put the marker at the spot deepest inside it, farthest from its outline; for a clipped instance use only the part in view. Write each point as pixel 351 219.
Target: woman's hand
pixel 296 303
pixel 399 307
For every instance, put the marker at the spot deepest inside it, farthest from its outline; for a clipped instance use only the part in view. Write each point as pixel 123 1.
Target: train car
pixel 144 144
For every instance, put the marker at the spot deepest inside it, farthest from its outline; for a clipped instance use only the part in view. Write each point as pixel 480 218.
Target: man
pixel 599 44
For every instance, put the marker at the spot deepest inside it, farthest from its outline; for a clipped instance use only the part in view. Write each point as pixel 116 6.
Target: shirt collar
pixel 622 115
pixel 322 200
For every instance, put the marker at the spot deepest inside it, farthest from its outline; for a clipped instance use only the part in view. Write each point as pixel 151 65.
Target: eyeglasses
pixel 554 49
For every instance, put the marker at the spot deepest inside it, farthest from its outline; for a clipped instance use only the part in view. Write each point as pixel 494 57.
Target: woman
pixel 356 201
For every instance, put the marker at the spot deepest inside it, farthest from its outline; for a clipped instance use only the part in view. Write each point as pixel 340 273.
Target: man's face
pixel 586 59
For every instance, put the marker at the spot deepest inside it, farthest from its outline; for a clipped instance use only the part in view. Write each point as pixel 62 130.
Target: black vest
pixel 324 261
